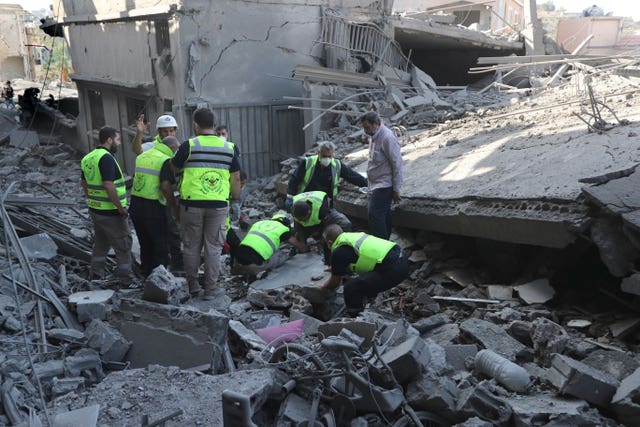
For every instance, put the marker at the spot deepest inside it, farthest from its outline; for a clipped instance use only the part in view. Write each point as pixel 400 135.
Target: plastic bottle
pixel 507 373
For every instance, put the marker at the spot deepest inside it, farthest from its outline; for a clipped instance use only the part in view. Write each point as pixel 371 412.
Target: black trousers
pixel 153 237
pixel 368 285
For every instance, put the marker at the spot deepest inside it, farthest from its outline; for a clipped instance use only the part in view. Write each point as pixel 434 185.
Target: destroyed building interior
pixel 515 208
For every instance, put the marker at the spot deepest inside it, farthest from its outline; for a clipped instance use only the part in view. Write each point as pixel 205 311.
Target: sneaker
pixel 195 289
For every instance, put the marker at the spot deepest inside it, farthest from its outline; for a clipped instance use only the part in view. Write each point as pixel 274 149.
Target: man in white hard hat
pixel 166 125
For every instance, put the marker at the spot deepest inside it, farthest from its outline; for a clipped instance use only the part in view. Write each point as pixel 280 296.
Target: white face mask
pixel 222 137
pixel 325 161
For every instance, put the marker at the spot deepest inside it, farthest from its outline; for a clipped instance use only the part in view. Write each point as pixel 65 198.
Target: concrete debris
pixel 82 417
pixel 582 381
pixel 92 305
pixel 493 337
pixel 617 364
pixel 162 287
pixel 543 409
pixel 107 341
pixel 39 246
pixel 536 292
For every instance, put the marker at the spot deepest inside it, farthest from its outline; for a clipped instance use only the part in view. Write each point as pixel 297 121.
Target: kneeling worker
pixel 380 265
pixel 258 251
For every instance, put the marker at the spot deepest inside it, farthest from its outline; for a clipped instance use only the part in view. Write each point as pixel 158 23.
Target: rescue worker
pixel 259 250
pixel 312 214
pixel 211 175
pixel 103 183
pixel 321 172
pixel 379 264
pixel 152 202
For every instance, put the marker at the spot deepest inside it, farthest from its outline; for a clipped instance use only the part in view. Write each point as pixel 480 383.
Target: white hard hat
pixel 166 121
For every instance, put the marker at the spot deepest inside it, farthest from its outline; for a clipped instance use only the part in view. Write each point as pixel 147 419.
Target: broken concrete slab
pixel 82 417
pixel 169 335
pixel 84 362
pixel 39 246
pixel 153 390
pixel 623 328
pixel 435 394
pixel 629 387
pixel 407 359
pixel 582 381
pixel 311 324
pixel 543 408
pixel 307 266
pixel 241 335
pixel 625 401
pixel 479 401
pixel 107 341
pixel 365 330
pixel 458 354
pixel 493 337
pixel 162 287
pixel 615 363
pixel 92 304
pixel 536 292
pixel 428 323
pixel 444 334
pixel 502 293
pixel 62 386
pixel 24 138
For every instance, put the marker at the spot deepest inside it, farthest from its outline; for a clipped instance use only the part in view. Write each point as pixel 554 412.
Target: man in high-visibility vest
pixel 211 175
pixel 321 172
pixel 312 214
pixel 259 250
pixel 379 264
pixel 151 195
pixel 103 183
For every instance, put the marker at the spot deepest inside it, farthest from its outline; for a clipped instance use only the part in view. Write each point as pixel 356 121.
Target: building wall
pixel 14 62
pixel 606 31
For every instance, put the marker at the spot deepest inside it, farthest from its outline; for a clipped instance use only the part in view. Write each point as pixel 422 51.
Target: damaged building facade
pixel 14 55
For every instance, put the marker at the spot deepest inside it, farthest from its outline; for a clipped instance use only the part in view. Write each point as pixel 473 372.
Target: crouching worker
pixel 379 264
pixel 259 250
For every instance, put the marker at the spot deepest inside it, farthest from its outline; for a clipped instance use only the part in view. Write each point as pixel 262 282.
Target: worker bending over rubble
pixel 259 250
pixel 211 176
pixel 312 214
pixel 151 194
pixel 321 172
pixel 379 264
pixel 103 183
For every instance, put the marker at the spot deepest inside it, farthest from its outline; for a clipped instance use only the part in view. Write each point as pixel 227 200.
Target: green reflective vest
pixel 370 250
pixel 310 166
pixel 315 198
pixel 206 171
pixel 264 237
pixel 97 197
pixel 146 180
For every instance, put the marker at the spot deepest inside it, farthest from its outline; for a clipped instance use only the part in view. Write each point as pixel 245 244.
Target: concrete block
pixel 582 381
pixel 521 331
pixel 311 324
pixel 479 401
pixel 493 337
pixel 92 304
pixel 66 385
pixel 457 355
pixel 628 412
pixel 243 338
pixel 365 330
pixel 542 408
pixel 84 360
pixel 24 139
pixel 428 323
pixel 107 341
pixel 49 369
pixel 615 363
pixel 474 422
pixel 83 417
pixel 162 287
pixel 548 337
pixel 445 334
pixel 66 335
pixel 623 328
pixel 536 292
pixel 408 359
pixel 170 336
pixel 435 394
pixel 39 246
pixel 629 387
pixel 502 293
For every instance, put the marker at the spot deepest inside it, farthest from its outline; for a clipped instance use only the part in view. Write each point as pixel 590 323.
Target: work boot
pixel 195 289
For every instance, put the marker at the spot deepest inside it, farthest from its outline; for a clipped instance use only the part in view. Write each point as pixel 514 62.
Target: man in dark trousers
pixel 321 172
pixel 379 264
pixel 151 194
pixel 103 183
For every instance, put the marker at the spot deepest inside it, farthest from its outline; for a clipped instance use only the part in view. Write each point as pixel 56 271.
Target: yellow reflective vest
pixel 146 180
pixel 370 250
pixel 97 197
pixel 310 166
pixel 264 237
pixel 315 198
pixel 206 171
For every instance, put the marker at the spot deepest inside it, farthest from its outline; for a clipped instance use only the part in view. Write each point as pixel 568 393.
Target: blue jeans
pixel 380 212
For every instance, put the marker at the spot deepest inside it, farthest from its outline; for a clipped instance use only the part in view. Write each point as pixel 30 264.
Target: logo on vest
pixel 89 171
pixel 211 182
pixel 139 181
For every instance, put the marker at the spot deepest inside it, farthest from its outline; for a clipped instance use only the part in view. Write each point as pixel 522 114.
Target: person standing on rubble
pixel 7 94
pixel 312 213
pixel 211 175
pixel 384 172
pixel 152 202
pixel 379 264
pixel 321 172
pixel 166 126
pixel 103 183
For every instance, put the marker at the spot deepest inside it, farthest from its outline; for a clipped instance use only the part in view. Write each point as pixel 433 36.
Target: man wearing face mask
pixel 321 173
pixel 103 183
pixel 384 171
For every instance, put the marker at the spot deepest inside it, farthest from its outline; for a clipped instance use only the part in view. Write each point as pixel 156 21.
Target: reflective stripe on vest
pixel 315 198
pixel 310 166
pixel 97 197
pixel 370 250
pixel 264 237
pixel 146 180
pixel 206 171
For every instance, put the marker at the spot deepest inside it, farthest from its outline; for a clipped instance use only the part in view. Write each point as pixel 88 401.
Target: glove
pixel 288 203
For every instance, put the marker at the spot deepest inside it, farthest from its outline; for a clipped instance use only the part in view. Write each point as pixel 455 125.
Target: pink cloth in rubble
pixel 285 332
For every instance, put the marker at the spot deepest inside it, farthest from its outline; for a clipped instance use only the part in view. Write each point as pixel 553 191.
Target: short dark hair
pixel 301 209
pixel 370 117
pixel 222 127
pixel 204 118
pixel 105 133
pixel 331 232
